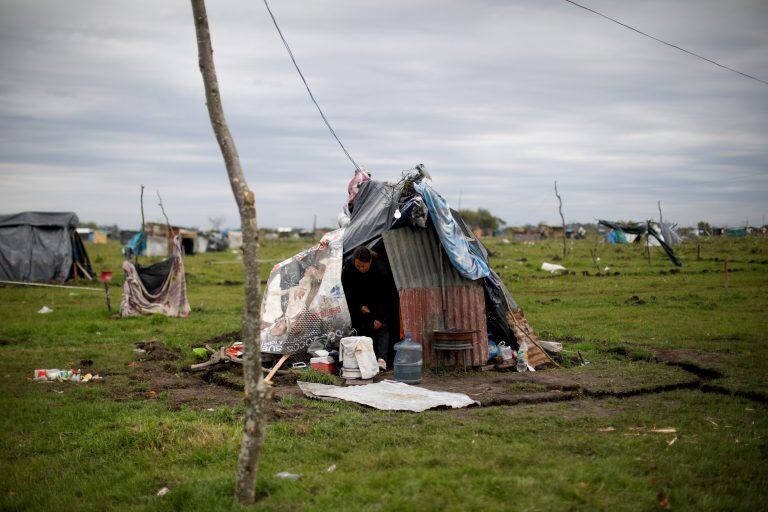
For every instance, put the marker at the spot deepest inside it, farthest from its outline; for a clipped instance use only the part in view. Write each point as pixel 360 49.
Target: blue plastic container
pixel 409 360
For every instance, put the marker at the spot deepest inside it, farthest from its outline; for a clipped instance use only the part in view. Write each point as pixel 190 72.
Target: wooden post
pixel 255 389
pixel 648 248
pixel 698 251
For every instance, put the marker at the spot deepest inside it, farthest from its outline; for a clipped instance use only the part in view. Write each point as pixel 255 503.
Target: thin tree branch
pixel 560 208
pixel 255 389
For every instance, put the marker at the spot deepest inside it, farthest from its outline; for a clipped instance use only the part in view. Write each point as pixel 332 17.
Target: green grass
pixel 89 447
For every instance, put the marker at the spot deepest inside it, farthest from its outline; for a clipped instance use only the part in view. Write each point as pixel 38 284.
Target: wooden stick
pixel 560 208
pixel 277 366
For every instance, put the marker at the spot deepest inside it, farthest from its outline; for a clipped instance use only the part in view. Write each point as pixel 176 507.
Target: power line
pixel 665 42
pixel 312 96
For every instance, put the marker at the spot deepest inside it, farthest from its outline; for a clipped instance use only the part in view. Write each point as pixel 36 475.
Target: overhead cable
pixel 312 96
pixel 665 42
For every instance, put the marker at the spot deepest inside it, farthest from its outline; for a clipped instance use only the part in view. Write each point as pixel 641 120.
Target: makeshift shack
pixel 42 246
pixel 441 282
pixel 159 239
pixel 93 236
pixel 652 233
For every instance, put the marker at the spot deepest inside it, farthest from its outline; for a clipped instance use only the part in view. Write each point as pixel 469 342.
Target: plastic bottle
pixel 522 357
pixel 409 359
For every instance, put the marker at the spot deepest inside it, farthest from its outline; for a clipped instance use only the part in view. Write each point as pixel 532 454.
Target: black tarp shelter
pixel 42 246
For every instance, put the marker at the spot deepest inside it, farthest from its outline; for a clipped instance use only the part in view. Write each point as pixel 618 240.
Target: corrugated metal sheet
pixel 414 255
pixel 421 311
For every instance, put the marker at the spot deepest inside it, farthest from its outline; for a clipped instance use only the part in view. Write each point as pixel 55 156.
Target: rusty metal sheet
pixel 421 312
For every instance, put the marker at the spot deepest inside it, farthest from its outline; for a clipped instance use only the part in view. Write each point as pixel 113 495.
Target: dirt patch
pixel 707 365
pixel 222 339
pixel 9 341
pixel 159 374
pixel 156 351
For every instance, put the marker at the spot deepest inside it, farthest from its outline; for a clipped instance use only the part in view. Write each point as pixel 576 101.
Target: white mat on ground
pixel 388 395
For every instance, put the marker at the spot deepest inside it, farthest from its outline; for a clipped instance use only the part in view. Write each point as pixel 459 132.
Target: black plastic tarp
pixel 40 246
pixel 372 214
pixel 153 276
pixel 648 230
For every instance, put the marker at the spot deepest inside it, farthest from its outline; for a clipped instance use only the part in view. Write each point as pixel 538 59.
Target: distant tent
pixel 42 246
pixel 652 233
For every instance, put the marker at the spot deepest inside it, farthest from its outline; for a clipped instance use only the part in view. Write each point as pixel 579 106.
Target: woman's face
pixel 362 266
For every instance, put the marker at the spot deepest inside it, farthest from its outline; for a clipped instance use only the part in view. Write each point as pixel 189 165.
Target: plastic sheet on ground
pixel 552 267
pixel 388 395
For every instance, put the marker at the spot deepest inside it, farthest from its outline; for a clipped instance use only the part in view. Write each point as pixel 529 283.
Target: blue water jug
pixel 409 359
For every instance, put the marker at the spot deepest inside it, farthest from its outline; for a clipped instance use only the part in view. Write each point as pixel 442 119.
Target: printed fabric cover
pixel 304 299
pixel 170 299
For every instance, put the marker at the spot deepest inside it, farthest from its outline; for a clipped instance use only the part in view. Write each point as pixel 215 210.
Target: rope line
pixel 312 96
pixel 666 43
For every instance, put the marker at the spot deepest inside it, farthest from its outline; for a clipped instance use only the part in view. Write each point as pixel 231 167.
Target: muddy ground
pixel 161 372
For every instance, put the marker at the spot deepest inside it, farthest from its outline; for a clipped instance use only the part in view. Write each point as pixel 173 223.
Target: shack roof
pixel 58 219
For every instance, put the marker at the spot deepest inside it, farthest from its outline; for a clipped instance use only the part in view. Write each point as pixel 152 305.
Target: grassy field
pixel 113 444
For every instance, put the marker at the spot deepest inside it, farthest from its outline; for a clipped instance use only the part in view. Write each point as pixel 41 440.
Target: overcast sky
pixel 497 99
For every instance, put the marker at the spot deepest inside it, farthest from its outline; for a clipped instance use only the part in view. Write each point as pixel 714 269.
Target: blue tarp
pixel 137 244
pixel 464 259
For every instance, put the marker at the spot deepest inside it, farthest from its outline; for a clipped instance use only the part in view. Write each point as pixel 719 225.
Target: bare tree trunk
pixel 661 219
pixel 560 207
pixel 255 389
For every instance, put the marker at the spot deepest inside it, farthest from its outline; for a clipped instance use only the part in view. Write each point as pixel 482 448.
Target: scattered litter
pixel 550 346
pixel 506 352
pixel 324 364
pixel 236 350
pixel 163 491
pixel 712 422
pixel 388 395
pixel 200 352
pixel 606 429
pixel 552 267
pixel 44 310
pixel 662 499
pixel 606 269
pixel 285 475
pixel 331 468
pixel 139 351
pixel 211 409
pixel 672 441
pixel 57 375
pixel 152 394
pixel 669 430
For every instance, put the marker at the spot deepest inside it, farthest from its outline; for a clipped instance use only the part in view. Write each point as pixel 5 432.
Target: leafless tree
pixel 255 389
pixel 216 222
pixel 560 207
